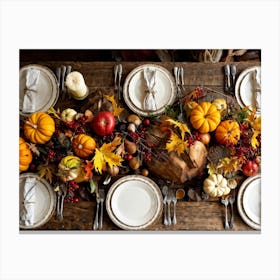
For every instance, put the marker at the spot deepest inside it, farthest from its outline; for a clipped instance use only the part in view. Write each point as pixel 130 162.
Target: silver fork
pixel 95 224
pixel 225 202
pixel 168 200
pixel 174 200
pixel 102 197
pixel 181 77
pixel 119 81
pixel 116 68
pixel 177 75
pixel 231 202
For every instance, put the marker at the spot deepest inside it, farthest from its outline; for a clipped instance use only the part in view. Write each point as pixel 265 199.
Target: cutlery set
pixel 229 201
pixel 61 74
pixel 230 74
pixel 117 80
pixel 169 197
pixel 98 220
pixel 179 81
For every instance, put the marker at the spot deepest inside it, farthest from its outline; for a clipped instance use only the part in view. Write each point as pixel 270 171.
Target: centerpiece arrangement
pixel 205 153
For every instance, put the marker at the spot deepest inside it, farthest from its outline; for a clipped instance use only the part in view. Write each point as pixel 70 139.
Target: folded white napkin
pixel 150 80
pixel 29 197
pixel 257 88
pixel 30 91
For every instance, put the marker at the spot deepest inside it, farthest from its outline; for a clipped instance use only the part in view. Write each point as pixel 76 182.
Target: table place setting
pixel 140 147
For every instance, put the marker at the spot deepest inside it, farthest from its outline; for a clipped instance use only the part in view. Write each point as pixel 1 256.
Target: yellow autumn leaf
pixel 228 165
pixel 257 124
pixel 98 161
pixel 176 144
pixel 116 109
pixel 105 155
pixel 254 141
pixel 211 168
pixel 182 126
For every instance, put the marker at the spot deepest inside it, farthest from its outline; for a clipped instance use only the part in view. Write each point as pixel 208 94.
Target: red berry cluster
pixel 71 188
pixel 76 126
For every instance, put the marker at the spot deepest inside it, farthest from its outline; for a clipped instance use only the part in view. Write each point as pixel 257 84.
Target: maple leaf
pixel 254 141
pixel 116 109
pixel 229 165
pixel 182 126
pixel 44 171
pixel 175 143
pixel 105 155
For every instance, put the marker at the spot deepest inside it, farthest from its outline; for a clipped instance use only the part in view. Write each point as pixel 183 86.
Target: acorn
pixel 134 163
pixel 130 147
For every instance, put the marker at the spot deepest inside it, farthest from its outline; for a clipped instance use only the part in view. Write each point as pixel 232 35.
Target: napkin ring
pixel 27 89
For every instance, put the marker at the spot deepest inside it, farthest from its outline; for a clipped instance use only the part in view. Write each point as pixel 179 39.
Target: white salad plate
pixel 134 90
pixel 134 202
pixel 244 88
pixel 249 201
pixel 44 204
pixel 47 88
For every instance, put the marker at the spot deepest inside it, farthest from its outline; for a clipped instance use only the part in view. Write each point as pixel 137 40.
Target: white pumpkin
pixel 68 115
pixel 216 185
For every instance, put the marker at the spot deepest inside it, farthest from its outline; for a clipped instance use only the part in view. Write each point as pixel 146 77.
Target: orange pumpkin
pixel 39 128
pixel 25 155
pixel 83 145
pixel 228 132
pixel 205 117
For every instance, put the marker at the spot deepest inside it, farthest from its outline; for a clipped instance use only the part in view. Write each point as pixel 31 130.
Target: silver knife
pixel 119 81
pixel 227 78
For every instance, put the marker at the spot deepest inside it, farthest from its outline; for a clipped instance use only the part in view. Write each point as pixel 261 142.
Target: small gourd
pixel 216 185
pixel 25 155
pixel 228 132
pixel 205 117
pixel 69 168
pixel 68 115
pixel 83 145
pixel 39 128
pixel 220 103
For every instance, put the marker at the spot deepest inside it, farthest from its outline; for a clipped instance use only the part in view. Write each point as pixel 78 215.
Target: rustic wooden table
pixel 191 216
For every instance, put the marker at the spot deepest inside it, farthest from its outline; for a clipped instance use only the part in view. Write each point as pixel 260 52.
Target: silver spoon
pixel 164 192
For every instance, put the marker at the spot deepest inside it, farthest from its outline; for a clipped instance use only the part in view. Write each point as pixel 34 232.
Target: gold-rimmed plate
pixel 134 90
pixel 47 89
pixel 134 202
pixel 43 204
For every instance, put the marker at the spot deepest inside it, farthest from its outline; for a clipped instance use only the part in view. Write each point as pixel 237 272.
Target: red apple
pixel 103 123
pixel 250 168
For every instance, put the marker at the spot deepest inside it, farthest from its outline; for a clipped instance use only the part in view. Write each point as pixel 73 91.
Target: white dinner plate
pixel 249 201
pixel 47 89
pixel 244 91
pixel 134 90
pixel 134 202
pixel 45 201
